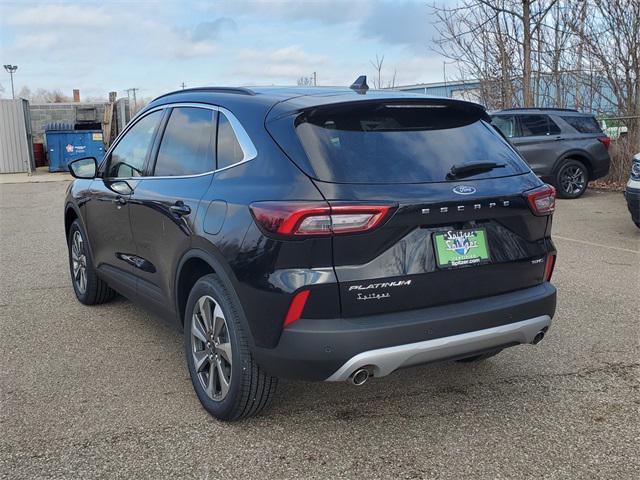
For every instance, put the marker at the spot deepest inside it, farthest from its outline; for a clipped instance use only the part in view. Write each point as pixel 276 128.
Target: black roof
pixel 289 99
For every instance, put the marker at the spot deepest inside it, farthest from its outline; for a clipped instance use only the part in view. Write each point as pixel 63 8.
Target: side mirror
pixel 84 168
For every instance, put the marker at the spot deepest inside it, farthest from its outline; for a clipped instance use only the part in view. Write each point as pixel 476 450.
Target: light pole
pixel 11 69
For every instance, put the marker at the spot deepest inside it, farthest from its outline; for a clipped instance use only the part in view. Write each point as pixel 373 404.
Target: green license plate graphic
pixel 458 248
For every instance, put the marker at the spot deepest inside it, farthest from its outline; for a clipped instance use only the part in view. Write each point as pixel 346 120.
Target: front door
pixel 165 203
pixel 108 210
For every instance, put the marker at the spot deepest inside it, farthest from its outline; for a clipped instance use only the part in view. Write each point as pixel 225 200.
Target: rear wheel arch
pixel 578 157
pixel 195 264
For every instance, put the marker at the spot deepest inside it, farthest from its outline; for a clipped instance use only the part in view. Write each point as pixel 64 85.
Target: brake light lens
pixel 295 309
pixel 548 268
pixel 606 141
pixel 312 219
pixel 542 200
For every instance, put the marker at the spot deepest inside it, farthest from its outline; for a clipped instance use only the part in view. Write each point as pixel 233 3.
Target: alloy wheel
pixel 573 180
pixel 79 262
pixel 211 348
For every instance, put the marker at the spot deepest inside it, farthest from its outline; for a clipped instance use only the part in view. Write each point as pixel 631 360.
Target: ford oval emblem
pixel 464 190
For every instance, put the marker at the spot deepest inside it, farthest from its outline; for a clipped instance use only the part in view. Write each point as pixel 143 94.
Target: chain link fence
pixel 624 145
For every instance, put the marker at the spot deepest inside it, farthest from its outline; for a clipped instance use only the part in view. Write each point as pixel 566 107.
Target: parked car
pixel 563 147
pixel 318 234
pixel 632 191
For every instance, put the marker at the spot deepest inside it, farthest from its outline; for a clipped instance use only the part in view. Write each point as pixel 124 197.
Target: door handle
pixel 557 139
pixel 179 208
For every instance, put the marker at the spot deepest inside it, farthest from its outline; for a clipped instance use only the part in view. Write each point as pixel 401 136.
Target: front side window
pixel 229 150
pixel 506 124
pixel 128 157
pixel 535 125
pixel 187 143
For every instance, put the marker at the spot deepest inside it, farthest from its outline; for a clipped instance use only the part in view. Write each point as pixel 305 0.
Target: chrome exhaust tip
pixel 359 377
pixel 538 338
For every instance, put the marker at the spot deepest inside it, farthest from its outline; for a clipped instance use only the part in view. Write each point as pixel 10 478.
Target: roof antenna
pixel 360 85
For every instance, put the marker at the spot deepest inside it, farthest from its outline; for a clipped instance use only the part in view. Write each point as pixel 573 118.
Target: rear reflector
pixel 303 218
pixel 296 308
pixel 548 268
pixel 542 200
pixel 606 141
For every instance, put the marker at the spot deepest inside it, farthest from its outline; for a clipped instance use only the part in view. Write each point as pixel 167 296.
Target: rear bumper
pixel 313 349
pixel 633 202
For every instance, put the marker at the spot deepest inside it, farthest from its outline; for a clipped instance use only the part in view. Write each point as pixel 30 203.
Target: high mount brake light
pixel 312 219
pixel 542 200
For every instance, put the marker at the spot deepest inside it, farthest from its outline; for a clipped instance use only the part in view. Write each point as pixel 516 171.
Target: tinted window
pixel 533 125
pixel 376 143
pixel 229 150
pixel 583 124
pixel 187 143
pixel 507 125
pixel 128 157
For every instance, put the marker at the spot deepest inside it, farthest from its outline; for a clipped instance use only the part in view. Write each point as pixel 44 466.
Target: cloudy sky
pixel 157 45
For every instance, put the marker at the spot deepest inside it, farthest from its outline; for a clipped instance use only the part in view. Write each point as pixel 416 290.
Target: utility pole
pixel 135 102
pixel 315 79
pixel 183 85
pixel 11 69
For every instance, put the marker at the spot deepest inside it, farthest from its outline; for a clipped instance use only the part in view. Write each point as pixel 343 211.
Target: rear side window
pixel 229 150
pixel 400 143
pixel 187 143
pixel 583 124
pixel 535 125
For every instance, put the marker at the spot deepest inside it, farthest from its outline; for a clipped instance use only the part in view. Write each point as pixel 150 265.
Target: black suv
pixel 563 147
pixel 317 234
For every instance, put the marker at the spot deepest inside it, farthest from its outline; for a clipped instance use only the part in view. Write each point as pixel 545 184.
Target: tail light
pixel 295 309
pixel 312 219
pixel 606 141
pixel 548 268
pixel 542 200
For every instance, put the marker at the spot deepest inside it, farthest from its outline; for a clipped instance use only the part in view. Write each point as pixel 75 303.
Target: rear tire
pixel 88 287
pixel 227 380
pixel 481 357
pixel 571 179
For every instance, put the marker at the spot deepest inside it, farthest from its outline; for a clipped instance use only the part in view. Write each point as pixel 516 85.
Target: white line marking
pixel 595 244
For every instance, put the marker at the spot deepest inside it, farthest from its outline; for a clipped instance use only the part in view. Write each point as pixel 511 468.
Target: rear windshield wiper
pixel 466 169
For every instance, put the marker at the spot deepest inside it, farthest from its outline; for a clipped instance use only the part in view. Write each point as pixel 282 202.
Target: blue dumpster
pixel 65 144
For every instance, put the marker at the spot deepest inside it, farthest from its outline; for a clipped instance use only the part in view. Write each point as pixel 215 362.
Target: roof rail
pixel 540 108
pixel 233 90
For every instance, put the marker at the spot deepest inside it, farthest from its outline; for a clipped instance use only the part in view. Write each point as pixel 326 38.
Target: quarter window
pixel 187 143
pixel 128 156
pixel 229 150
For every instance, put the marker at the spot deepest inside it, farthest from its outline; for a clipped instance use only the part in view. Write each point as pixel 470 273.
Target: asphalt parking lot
pixel 103 391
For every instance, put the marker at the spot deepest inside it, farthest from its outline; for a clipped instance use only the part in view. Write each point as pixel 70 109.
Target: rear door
pixel 164 205
pixel 538 142
pixel 448 239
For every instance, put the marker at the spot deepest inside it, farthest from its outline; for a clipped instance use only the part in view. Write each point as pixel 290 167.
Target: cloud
pixel 212 30
pixel 60 15
pixel 285 64
pixel 404 23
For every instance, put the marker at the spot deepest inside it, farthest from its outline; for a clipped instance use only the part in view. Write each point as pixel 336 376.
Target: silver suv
pixel 563 147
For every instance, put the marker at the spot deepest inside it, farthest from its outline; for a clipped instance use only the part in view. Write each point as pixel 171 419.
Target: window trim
pixel 248 148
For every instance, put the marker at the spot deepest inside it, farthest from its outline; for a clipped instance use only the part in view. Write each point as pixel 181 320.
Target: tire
pixel 216 347
pixel 571 179
pixel 88 287
pixel 481 357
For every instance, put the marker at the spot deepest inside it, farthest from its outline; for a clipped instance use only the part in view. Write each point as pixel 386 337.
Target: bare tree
pixel 377 65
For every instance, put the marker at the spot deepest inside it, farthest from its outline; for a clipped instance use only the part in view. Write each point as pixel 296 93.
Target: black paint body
pixel 149 253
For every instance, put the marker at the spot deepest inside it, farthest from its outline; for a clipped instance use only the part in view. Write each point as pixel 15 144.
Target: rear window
pixel 583 124
pixel 400 143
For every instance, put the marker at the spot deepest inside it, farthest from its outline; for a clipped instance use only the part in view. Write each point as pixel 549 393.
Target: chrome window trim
pixel 249 150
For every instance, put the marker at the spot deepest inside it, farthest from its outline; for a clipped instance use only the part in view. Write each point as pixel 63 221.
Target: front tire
pixel 228 382
pixel 88 287
pixel 571 179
